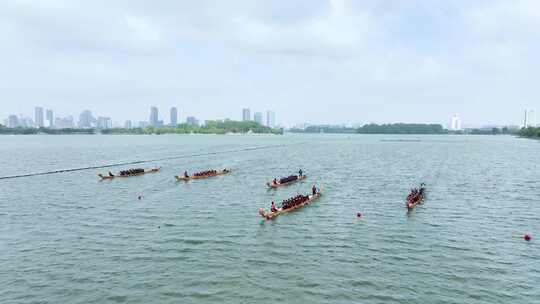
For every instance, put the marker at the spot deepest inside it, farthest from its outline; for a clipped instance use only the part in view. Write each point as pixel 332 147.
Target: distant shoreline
pixel 402 129
pixel 135 134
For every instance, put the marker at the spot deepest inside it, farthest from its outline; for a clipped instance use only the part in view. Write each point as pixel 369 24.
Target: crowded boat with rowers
pixel 202 174
pixel 290 204
pixel 128 173
pixel 416 196
pixel 283 181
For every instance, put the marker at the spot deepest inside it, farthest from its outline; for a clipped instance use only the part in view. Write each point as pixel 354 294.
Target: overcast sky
pixel 310 61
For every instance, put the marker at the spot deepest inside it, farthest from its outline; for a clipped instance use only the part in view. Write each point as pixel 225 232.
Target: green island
pixel 210 127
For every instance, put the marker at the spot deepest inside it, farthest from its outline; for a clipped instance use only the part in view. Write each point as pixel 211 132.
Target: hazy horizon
pixel 308 61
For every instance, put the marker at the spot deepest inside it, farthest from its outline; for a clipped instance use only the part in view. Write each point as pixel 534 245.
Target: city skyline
pixel 515 118
pixel 318 61
pixel 87 120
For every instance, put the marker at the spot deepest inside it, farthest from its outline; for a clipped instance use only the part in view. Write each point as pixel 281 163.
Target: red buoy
pixel 527 237
pixel 359 215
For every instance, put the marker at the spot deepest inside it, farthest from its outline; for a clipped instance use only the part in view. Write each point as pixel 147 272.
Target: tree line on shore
pixel 210 127
pixel 403 128
pixel 530 132
pixel 30 131
pixel 239 127
pixel 397 128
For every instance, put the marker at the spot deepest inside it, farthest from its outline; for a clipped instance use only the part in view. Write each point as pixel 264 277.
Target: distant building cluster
pixel 41 119
pixel 87 120
pixel 258 117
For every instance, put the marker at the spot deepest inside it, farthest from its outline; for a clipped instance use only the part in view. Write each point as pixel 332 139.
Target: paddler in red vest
pixel 273 207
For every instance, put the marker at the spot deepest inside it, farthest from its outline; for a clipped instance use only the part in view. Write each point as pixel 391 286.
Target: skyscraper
pixel 174 117
pixel 270 119
pixel 258 117
pixel 127 124
pixel 530 119
pixel 86 119
pixel 38 117
pixel 246 114
pixel 153 117
pixel 455 124
pixel 50 117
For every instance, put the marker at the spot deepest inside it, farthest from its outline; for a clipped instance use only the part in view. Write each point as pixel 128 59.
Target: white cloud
pixel 293 56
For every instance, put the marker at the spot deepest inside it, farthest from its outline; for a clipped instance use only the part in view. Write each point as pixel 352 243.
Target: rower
pixel 275 181
pixel 273 207
pixel 314 190
pixel 300 172
pixel 185 174
pixel 110 174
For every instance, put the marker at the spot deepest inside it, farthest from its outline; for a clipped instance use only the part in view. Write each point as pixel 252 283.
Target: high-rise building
pixel 192 121
pixel 258 117
pixel 455 124
pixel 127 124
pixel 50 117
pixel 270 119
pixel 104 123
pixel 153 117
pixel 174 117
pixel 246 114
pixel 86 119
pixel 38 117
pixel 13 121
pixel 530 119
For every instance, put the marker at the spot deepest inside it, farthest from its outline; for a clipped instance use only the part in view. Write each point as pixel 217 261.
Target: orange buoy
pixel 527 237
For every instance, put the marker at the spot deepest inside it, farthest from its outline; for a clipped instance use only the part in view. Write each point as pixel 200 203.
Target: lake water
pixel 70 238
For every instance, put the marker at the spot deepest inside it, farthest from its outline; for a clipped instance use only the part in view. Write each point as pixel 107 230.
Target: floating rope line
pixel 144 161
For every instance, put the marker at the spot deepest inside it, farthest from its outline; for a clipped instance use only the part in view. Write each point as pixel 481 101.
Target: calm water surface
pixel 70 238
